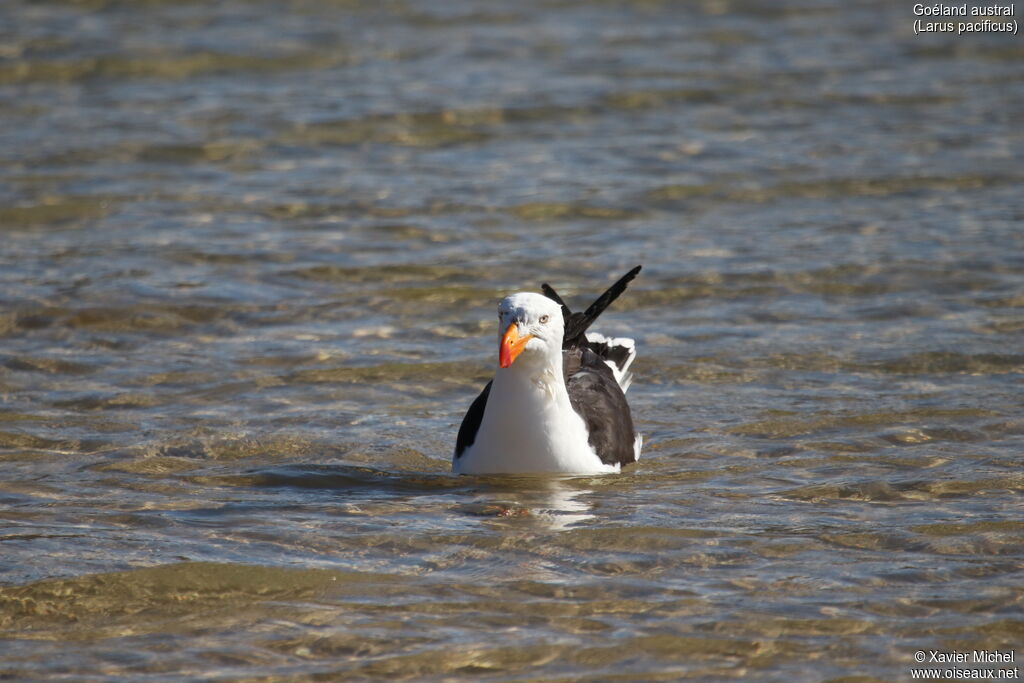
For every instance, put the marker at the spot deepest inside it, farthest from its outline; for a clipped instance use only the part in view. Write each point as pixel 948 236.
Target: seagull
pixel 557 403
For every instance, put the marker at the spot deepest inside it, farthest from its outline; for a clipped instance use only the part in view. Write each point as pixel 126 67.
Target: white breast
pixel 529 426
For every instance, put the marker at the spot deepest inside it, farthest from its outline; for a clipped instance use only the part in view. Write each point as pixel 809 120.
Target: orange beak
pixel 511 346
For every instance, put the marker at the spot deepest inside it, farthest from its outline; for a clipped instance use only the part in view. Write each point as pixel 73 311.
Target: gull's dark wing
pixel 597 397
pixel 576 324
pixel 471 422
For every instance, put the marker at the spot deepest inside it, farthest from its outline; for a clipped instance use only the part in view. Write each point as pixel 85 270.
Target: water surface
pixel 250 258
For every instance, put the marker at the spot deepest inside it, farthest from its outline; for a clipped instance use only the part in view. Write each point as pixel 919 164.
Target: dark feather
pixel 593 390
pixel 471 422
pixel 553 295
pixel 616 354
pixel 598 399
pixel 577 324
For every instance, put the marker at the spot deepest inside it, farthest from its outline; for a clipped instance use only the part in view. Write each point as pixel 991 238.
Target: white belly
pixel 528 428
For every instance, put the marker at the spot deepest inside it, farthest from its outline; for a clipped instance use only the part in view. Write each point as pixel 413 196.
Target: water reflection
pixel 540 503
pixel 549 503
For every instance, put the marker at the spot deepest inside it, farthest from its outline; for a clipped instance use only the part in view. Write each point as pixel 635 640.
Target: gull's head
pixel 529 326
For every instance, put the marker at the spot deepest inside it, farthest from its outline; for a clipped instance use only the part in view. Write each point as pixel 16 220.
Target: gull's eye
pixel 544 319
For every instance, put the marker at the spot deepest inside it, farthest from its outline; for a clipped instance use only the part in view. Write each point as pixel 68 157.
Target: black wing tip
pixel 550 293
pixel 576 326
pixel 611 294
pixel 628 277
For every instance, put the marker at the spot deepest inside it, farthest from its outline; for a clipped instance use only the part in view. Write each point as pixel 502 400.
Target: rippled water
pixel 250 257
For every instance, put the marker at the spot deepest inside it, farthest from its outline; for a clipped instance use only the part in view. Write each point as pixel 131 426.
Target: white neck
pixel 534 374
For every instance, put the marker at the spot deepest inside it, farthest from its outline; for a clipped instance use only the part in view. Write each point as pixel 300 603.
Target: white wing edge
pixel 622 375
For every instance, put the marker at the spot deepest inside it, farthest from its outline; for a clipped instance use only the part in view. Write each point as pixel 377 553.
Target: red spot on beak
pixel 511 345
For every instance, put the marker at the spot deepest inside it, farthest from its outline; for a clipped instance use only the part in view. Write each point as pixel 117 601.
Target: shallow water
pixel 250 258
